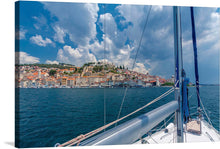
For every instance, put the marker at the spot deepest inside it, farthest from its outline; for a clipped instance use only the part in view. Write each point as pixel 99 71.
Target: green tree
pixel 168 84
pixel 70 74
pixel 52 72
pixel 97 68
pixel 75 70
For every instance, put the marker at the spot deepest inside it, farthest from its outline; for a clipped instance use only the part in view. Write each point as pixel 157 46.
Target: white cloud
pixel 60 34
pixel 83 29
pixel 157 8
pixel 52 62
pixel 207 23
pixel 106 61
pixel 109 27
pixel 118 37
pixel 139 67
pixel 106 16
pixel 108 50
pixel 40 41
pixel 20 34
pixel 25 58
pixel 77 56
pixel 134 14
pixel 207 33
pixel 117 56
pixel 40 22
pixel 77 19
pixel 162 32
pixel 114 44
pixel 211 32
pixel 215 16
pixel 157 42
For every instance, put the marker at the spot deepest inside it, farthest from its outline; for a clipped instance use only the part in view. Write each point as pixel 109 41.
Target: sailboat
pixel 139 130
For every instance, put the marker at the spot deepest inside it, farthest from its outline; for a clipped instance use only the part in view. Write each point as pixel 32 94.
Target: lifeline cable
pixel 80 138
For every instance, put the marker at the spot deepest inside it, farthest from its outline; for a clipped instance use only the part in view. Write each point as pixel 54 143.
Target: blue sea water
pixel 45 117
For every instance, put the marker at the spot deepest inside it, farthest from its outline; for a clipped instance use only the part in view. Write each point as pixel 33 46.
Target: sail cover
pixel 185 100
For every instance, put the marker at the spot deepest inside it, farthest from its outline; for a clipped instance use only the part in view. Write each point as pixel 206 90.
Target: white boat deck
pixel 208 134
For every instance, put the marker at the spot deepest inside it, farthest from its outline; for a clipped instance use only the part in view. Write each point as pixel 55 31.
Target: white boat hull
pixel 208 134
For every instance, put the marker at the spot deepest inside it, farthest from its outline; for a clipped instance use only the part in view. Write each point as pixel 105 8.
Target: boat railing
pixel 83 137
pixel 132 130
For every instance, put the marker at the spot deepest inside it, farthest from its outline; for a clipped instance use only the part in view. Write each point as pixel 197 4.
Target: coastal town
pixel 90 75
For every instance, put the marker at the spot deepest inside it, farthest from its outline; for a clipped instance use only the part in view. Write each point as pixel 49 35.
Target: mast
pixel 178 71
pixel 195 55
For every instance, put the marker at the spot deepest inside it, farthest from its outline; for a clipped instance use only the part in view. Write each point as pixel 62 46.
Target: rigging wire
pixel 204 109
pixel 181 41
pixel 139 45
pixel 164 124
pixel 122 103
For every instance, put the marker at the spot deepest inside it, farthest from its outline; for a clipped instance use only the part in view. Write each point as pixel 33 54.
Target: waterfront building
pixel 72 69
pixel 81 81
pixel 140 82
pixel 23 83
pixel 50 82
pixel 64 81
pixel 57 75
pixel 71 82
pixel 157 82
pixel 171 79
pixel 44 74
pixel 32 76
pixel 132 83
pixel 39 74
pixel 76 74
pixel 147 84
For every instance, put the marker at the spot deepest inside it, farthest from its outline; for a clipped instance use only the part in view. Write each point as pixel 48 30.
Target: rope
pixel 194 113
pixel 194 107
pixel 80 138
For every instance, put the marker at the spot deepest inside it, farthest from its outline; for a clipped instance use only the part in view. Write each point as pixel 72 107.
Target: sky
pixel 77 33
